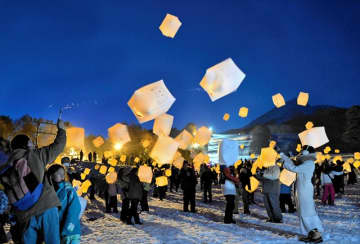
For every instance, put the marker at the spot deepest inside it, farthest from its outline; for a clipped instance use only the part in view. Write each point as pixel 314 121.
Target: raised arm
pixel 289 165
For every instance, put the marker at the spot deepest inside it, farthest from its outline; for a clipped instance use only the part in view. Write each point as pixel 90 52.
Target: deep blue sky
pixel 96 53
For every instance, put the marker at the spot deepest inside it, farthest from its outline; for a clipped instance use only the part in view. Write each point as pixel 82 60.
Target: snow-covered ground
pixel 166 223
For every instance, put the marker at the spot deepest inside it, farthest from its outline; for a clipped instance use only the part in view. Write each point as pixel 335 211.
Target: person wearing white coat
pixel 310 223
pixel 228 154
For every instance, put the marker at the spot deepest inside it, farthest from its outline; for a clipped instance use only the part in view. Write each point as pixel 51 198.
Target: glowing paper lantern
pixel 46 135
pixel 108 154
pixel 97 167
pixel 327 150
pixel 337 158
pixel 163 124
pixel 178 162
pixel 309 125
pixel 298 148
pixel 357 155
pixel 83 176
pixel 228 152
pixel 327 157
pixel 184 139
pixel 357 164
pixel 123 158
pixel 164 150
pixel 272 144
pixel 203 136
pixel 151 101
pixel 87 171
pixel 237 163
pixel 145 143
pixel 350 160
pixel 268 156
pixel 85 186
pixel 257 164
pixel 111 177
pixel 168 172
pixel 76 183
pixel 243 112
pixel 222 79
pixel 287 177
pixel 112 162
pixel 103 169
pixel 242 146
pixel 199 159
pixel 75 137
pixel 111 169
pixel 170 25
pixel 315 137
pixel 254 184
pixel 226 117
pixel 98 141
pixel 347 167
pixel 278 100
pixel 136 160
pixel 337 151
pixel 252 155
pixel 119 133
pixel 161 181
pixel 145 174
pixel 320 157
pixel 303 99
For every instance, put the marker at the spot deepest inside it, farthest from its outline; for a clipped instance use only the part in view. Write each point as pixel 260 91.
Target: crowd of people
pixel 42 205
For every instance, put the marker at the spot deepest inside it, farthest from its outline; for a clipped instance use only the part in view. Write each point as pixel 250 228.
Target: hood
pixel 14 156
pixel 309 157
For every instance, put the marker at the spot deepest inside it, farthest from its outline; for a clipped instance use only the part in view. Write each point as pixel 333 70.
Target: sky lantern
pixel 170 25
pixel 357 164
pixel 151 101
pixel 111 169
pixel 112 162
pixel 337 158
pixel 268 156
pixel 303 99
pixel 164 150
pixel 347 167
pixel 137 159
pixel 315 137
pixel 272 144
pixel 76 183
pixel 228 152
pixel 168 172
pixel 145 174
pixel 327 150
pixel 242 146
pixel 337 151
pixel 98 141
pixel 145 143
pixel 237 163
pixel 243 112
pixel 85 186
pixel 46 135
pixel 203 136
pixel 357 155
pixel 226 117
pixel 252 156
pixel 254 184
pixel 278 100
pixel 287 177
pixel 199 159
pixel 222 79
pixel 161 181
pixel 103 169
pixel 83 176
pixel 119 133
pixel 123 158
pixel 298 148
pixel 97 166
pixel 111 177
pixel 87 171
pixel 178 162
pixel 163 124
pixel 309 125
pixel 75 137
pixel 108 154
pixel 184 139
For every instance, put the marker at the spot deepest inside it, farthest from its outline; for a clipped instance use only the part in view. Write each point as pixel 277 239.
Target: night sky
pixel 95 54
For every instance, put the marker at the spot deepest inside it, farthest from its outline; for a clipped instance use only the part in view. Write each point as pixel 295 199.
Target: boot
pixel 314 236
pixel 137 220
pixel 128 221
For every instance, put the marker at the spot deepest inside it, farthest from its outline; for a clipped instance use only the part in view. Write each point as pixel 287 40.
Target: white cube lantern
pixel 315 137
pixel 203 136
pixel 287 177
pixel 98 141
pixel 151 101
pixel 170 25
pixel 243 112
pixel 163 124
pixel 184 139
pixel 164 150
pixel 75 137
pixel 145 174
pixel 119 134
pixel 228 152
pixel 222 79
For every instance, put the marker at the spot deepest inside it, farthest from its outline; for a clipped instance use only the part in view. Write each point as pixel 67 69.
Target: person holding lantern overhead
pixel 228 154
pixel 310 223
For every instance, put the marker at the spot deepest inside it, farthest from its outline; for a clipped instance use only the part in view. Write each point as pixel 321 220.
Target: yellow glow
pixel 118 146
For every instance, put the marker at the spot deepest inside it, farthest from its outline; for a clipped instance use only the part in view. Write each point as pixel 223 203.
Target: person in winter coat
pixel 174 179
pixel 90 157
pixel 94 157
pixel 82 156
pixel 40 219
pixel 124 181
pixel 338 180
pixel 352 176
pixel 188 182
pixel 144 200
pixel 269 178
pixel 244 176
pixel 285 199
pixel 310 223
pixel 207 179
pixel 135 194
pixel 111 198
pixel 326 182
pixel 69 213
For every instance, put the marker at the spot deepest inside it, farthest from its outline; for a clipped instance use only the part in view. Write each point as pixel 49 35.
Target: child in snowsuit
pixel 69 213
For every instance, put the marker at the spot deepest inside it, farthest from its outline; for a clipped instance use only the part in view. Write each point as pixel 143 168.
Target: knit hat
pixel 20 142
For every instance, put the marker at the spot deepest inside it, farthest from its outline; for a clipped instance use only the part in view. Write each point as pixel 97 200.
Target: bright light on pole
pixel 210 128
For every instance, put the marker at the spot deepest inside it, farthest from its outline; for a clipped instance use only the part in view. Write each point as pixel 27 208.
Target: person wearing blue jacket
pixel 69 213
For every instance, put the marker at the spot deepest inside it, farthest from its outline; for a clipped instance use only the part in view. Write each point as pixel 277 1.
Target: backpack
pixel 21 185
